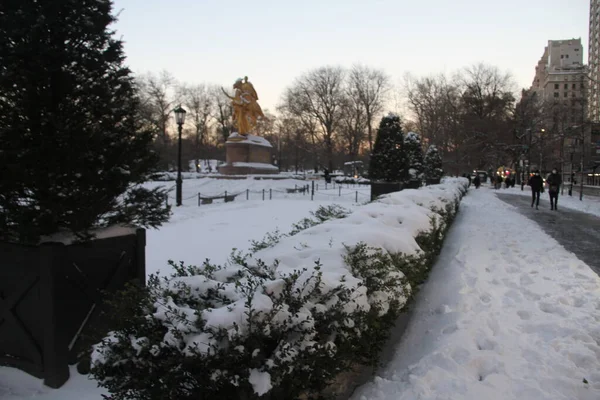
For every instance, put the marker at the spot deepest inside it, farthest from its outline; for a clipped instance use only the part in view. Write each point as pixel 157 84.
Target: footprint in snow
pixel 553 308
pixel 450 329
pixel 526 280
pixel 524 315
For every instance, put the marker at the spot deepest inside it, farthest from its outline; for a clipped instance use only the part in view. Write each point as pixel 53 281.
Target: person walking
pixel 477 181
pixel 554 181
pixel 537 185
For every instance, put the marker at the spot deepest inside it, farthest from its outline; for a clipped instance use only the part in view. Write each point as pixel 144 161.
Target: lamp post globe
pixel 180 120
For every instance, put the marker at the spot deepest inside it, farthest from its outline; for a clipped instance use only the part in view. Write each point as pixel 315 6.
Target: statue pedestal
pixel 248 155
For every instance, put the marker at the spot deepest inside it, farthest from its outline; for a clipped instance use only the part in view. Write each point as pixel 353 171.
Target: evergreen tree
pixel 433 164
pixel 414 156
pixel 72 154
pixel 388 162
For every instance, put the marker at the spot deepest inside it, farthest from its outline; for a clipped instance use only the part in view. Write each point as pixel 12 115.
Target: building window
pixel 567 56
pixel 576 49
pixel 566 86
pixel 562 56
pixel 565 94
pixel 574 86
pixel 555 94
pixel 556 86
pixel 581 86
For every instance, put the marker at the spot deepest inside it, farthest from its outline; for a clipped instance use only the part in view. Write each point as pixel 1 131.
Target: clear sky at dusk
pixel 275 41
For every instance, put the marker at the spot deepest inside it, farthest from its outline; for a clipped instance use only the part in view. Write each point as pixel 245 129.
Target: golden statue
pixel 246 110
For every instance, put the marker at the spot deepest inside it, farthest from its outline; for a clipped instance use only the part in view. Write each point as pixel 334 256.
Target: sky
pixel 275 41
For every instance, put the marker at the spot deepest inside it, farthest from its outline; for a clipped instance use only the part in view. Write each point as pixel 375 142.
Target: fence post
pixel 325 185
pixel 312 193
pixel 263 191
pixel 270 194
pixel 54 343
pixel 225 196
pixel 247 194
pixel 199 199
pixel 340 190
pixel 317 187
pixel 356 196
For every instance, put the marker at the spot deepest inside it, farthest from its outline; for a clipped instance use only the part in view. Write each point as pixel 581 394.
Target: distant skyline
pixel 273 42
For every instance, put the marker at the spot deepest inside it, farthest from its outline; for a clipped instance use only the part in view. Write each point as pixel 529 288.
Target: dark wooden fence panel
pixel 51 294
pixel 21 333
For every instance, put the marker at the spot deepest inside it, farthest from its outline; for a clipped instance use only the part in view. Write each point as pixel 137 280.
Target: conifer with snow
pixel 72 152
pixel 388 161
pixel 414 156
pixel 433 165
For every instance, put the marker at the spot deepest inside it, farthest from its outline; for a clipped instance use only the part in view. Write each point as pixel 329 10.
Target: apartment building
pixel 560 82
pixel 594 61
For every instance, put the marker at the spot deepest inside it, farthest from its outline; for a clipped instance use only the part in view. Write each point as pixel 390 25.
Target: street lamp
pixel 179 119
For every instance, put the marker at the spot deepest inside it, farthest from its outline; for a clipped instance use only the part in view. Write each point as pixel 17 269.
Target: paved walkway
pixel 578 232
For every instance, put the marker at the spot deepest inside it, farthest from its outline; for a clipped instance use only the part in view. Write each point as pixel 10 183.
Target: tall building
pixel 560 83
pixel 560 73
pixel 594 61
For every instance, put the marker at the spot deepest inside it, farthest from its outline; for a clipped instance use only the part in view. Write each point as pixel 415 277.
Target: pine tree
pixel 388 162
pixel 414 156
pixel 72 154
pixel 433 165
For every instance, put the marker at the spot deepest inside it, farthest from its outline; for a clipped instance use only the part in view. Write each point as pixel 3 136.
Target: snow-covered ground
pixel 499 318
pixel 212 231
pixel 590 204
pixel 193 234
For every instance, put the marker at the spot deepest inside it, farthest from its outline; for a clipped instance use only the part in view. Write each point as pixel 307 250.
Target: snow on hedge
pixel 213 309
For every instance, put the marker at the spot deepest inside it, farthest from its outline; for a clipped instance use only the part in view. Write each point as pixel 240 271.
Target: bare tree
pixel 319 94
pixel 370 86
pixel 487 102
pixel 157 102
pixel 354 126
pixel 435 103
pixel 223 114
pixel 199 101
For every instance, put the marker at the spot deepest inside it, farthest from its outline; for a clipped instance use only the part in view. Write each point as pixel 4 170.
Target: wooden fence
pixel 50 294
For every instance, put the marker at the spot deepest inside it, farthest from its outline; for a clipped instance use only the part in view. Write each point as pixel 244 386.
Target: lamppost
pixel 179 119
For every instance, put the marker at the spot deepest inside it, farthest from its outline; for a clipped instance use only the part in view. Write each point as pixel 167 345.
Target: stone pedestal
pixel 248 155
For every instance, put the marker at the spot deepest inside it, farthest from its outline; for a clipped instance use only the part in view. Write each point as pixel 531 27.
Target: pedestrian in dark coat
pixel 554 181
pixel 477 181
pixel 537 185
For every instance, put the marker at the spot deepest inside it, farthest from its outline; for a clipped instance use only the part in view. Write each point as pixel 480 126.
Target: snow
pixel 254 165
pixel 102 233
pixel 412 136
pixel 499 318
pixel 390 224
pixel 260 381
pixel 258 140
pixel 590 204
pixel 193 234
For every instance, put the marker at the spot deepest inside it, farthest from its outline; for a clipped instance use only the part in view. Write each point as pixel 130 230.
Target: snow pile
pixel 301 291
pixel 500 317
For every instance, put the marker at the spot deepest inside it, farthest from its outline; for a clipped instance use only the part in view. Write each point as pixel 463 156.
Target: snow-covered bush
pixel 352 180
pixel 282 322
pixel 388 160
pixel 414 156
pixel 322 214
pixel 433 165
